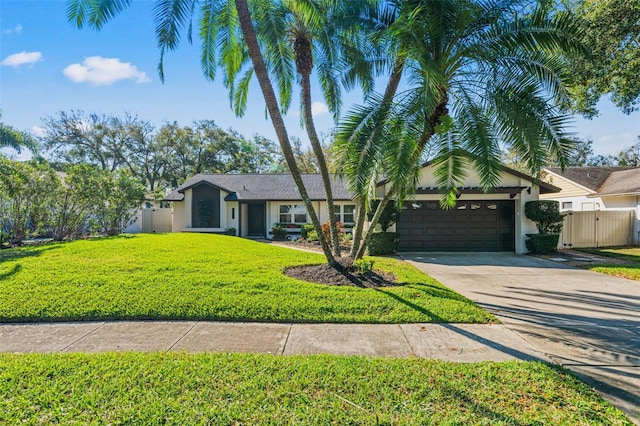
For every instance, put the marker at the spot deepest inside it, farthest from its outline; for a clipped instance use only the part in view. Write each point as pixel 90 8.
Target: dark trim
pixel 513 191
pixel 202 182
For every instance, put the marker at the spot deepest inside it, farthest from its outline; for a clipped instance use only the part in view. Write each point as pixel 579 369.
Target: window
pixel 345 213
pixel 296 213
pixel 567 205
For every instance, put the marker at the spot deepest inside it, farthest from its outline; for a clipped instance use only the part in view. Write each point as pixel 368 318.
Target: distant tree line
pixel 582 155
pixel 38 201
pixel 160 158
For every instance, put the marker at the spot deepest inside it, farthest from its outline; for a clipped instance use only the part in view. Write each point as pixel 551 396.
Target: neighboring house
pixel 604 190
pixel 253 203
pixel 594 188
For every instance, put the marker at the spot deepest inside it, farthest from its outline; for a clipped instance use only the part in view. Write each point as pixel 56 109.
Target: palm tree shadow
pixel 14 270
pixel 433 317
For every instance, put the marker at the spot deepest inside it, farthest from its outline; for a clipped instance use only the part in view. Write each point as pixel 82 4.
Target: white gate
pixel 156 220
pixel 597 229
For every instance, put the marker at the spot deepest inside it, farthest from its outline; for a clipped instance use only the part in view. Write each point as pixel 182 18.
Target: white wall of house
pixel 178 221
pixel 233 212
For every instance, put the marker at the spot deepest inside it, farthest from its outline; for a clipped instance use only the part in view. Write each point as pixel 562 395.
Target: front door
pixel 256 226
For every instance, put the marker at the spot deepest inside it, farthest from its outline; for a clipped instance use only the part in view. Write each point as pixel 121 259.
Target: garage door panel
pixel 471 226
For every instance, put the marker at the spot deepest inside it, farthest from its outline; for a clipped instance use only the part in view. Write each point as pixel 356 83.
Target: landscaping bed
pixel 164 388
pixel 186 276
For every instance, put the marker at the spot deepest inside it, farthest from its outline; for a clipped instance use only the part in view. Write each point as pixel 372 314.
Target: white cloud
pixel 101 71
pixel 319 108
pixel 38 131
pixel 22 58
pixel 15 30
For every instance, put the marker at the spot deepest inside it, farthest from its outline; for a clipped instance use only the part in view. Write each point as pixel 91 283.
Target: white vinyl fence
pixel 597 229
pixel 149 221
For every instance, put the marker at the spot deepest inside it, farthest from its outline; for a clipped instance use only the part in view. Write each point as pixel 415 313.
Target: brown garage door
pixel 470 226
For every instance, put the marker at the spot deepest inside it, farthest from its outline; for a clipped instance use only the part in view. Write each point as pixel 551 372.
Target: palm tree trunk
pixel 249 34
pixel 362 215
pixel 359 245
pixel 322 163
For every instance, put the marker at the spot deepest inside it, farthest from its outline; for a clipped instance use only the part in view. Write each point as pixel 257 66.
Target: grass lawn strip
pixel 206 277
pixel 625 264
pixel 220 389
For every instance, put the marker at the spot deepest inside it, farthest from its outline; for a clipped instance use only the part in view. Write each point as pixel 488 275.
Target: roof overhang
pixel 620 194
pixel 203 182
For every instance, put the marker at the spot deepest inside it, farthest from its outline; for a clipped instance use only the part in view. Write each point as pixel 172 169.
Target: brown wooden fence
pixel 597 229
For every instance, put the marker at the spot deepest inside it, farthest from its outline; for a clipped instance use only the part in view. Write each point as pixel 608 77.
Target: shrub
pixel 230 231
pixel 383 243
pixel 347 238
pixel 546 214
pixel 305 229
pixel 312 236
pixel 542 243
pixel 326 231
pixel 278 232
pixel 390 214
pixel 363 265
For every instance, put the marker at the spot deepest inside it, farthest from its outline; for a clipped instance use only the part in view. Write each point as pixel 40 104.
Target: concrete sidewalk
pixel 451 342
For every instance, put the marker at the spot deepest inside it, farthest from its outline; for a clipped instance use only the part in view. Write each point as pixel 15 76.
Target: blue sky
pixel 49 66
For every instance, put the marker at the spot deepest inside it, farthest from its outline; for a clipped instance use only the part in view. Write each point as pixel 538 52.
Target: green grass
pixel 222 389
pixel 629 269
pixel 208 277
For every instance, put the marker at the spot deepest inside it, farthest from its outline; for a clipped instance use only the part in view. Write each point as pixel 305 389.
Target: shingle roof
pixel 622 182
pixel 248 187
pixel 603 180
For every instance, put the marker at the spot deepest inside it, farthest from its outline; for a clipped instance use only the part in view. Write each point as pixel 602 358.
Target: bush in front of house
pixel 230 231
pixel 546 214
pixel 305 230
pixel 383 243
pixel 279 233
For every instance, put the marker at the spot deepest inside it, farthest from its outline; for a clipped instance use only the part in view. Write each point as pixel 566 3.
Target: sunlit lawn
pixel 212 277
pixel 224 389
pixel 628 268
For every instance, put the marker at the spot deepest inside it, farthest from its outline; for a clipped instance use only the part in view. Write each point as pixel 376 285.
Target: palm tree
pixel 228 38
pixel 293 36
pixel 16 139
pixel 307 35
pixel 478 73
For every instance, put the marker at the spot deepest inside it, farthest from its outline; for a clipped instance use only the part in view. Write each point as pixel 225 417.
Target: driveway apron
pixel 585 321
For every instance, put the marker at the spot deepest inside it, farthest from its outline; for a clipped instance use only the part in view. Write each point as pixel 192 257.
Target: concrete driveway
pixel 585 321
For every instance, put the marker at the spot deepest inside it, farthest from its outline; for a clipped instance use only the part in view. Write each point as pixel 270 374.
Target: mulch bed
pixel 346 274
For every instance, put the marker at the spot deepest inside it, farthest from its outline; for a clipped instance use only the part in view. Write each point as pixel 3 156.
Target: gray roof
pixel 259 187
pixel 603 180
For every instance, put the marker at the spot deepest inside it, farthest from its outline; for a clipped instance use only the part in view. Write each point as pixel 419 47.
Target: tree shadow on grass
pixel 28 251
pixel 14 270
pixel 433 317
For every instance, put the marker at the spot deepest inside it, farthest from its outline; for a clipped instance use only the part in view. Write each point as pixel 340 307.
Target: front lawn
pixel 221 389
pixel 207 277
pixel 625 261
